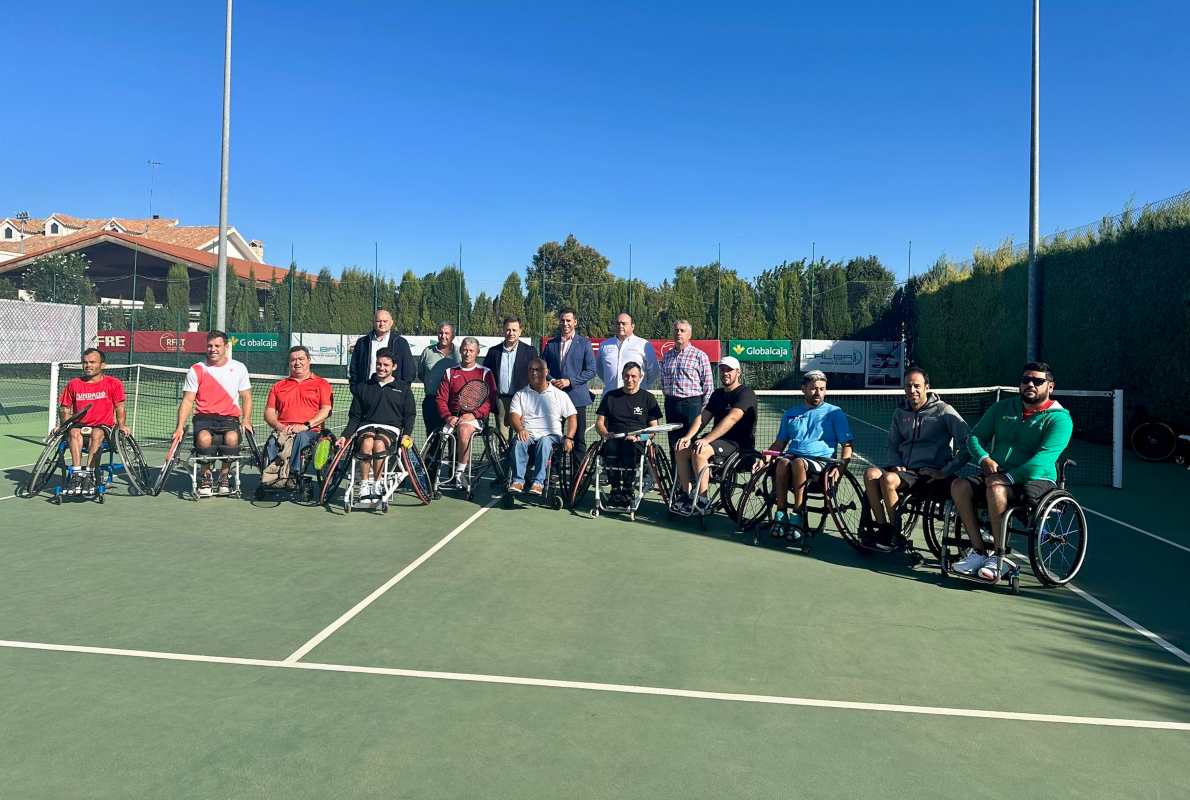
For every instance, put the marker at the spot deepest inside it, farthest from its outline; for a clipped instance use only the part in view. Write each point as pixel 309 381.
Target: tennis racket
pixel 473 395
pixel 71 420
pixel 171 460
pixel 323 451
pixel 256 453
pixel 336 472
pixel 419 477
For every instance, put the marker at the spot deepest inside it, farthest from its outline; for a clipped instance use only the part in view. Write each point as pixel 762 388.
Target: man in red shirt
pixel 297 405
pixel 465 424
pixel 105 395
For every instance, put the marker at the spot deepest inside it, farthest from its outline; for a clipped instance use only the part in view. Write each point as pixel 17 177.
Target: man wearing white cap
pixel 732 412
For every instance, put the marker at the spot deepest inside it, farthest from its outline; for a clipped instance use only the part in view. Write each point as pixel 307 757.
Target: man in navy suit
pixel 571 364
pixel 509 363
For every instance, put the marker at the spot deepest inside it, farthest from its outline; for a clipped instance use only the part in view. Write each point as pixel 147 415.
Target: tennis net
pixel 153 394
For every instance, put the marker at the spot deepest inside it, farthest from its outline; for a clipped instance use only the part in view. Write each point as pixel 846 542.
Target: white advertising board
pixel 833 355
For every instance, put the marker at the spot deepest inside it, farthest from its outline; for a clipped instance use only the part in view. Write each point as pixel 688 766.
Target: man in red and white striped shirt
pixel 465 424
pixel 219 393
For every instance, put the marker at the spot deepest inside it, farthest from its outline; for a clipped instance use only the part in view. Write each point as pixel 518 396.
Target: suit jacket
pixel 579 367
pixel 520 365
pixel 361 356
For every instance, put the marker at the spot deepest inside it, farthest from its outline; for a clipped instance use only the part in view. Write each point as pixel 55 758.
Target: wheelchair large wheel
pixel 432 451
pixel 584 475
pixel 45 466
pixel 930 517
pixel 419 477
pixel 1058 543
pixel 846 506
pixel 659 466
pixel 755 504
pixel 336 471
pixel 495 453
pixel 1154 441
pixel 134 462
pixel 733 479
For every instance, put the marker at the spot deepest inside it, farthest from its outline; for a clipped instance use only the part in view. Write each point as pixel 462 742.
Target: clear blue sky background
pixel 674 126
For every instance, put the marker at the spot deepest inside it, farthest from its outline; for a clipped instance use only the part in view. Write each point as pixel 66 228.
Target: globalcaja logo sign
pixel 255 342
pixel 761 349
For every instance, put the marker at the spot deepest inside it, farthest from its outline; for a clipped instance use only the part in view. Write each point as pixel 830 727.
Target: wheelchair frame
pixel 761 489
pixel 199 463
pixel 912 507
pixel 53 459
pixel 402 462
pixel 1031 520
pixel 440 450
pixel 724 488
pixel 592 470
pixel 305 489
pixel 557 480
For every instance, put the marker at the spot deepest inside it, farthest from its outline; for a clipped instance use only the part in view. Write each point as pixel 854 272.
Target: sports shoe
pixel 204 485
pixel 74 482
pixel 777 529
pixel 366 489
pixel 868 534
pixel 990 571
pixel 682 502
pixel 884 534
pixel 701 504
pixel 537 489
pixel 968 564
pixel 517 487
pixel 224 488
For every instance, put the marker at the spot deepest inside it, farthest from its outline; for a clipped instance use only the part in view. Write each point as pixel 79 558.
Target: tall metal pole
pixel 910 259
pixel 221 267
pixel 813 254
pixel 1033 306
pixel 719 292
pixel 629 279
pixel 460 283
pixel 375 276
pixel 153 165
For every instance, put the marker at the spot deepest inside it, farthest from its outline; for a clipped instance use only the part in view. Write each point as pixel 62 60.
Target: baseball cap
pixel 731 362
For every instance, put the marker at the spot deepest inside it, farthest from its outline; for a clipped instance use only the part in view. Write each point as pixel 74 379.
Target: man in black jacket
pixel 366 347
pixel 509 363
pixel 382 409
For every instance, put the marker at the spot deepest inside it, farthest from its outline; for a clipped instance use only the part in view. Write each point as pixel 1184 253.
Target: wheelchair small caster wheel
pixel 384 508
pixel 57 498
pixel 594 513
pixel 507 501
pixel 1014 583
pixel 259 493
pixel 346 506
pixel 632 516
pixel 556 503
pixel 99 497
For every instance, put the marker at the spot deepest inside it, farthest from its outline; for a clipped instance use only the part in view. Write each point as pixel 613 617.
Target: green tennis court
pixel 156 647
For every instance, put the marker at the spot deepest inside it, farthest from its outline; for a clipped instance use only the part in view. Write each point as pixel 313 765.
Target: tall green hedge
pixel 1115 313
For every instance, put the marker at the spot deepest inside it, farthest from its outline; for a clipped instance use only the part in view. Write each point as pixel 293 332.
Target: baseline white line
pixel 1133 624
pixel 614 688
pixel 322 635
pixel 1138 530
pixel 2 499
pixel 18 466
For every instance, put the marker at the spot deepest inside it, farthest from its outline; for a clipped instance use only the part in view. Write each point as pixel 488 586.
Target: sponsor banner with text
pixel 833 355
pixel 255 342
pixel 886 365
pixel 761 349
pixel 152 341
pixel 712 347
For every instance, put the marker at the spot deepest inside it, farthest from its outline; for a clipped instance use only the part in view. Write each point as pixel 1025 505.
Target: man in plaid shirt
pixel 686 382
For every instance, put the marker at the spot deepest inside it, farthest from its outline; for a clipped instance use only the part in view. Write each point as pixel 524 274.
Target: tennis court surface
pixel 154 647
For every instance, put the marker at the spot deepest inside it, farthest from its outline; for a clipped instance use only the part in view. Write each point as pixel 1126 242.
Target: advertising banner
pixel 886 365
pixel 255 342
pixel 761 349
pixel 325 348
pixel 152 341
pixel 712 347
pixel 833 355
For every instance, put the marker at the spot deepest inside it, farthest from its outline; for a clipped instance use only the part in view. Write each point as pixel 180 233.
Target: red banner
pixel 712 347
pixel 152 342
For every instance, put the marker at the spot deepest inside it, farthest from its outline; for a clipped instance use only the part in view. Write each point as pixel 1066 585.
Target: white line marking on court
pixel 1138 530
pixel 18 466
pixel 615 688
pixel 1136 626
pixel 2 499
pixel 322 635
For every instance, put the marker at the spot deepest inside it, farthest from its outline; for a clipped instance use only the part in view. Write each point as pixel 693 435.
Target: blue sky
pixel 675 127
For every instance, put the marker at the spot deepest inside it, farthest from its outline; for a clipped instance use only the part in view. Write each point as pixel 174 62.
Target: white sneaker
pixel 990 571
pixel 968 564
pixel 366 488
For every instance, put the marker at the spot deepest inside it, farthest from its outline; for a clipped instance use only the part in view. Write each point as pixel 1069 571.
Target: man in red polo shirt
pixel 298 405
pixel 105 395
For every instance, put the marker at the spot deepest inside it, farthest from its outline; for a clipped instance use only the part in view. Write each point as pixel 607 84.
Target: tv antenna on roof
pixel 153 165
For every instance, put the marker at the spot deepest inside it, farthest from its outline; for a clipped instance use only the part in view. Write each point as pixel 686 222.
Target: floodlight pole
pixel 629 309
pixel 221 264
pixel 1033 305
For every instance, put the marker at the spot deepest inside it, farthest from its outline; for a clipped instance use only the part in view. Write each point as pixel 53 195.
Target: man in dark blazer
pixel 572 366
pixel 509 363
pixel 363 353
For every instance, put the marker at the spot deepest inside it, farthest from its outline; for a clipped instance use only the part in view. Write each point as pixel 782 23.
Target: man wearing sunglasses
pixel 1026 435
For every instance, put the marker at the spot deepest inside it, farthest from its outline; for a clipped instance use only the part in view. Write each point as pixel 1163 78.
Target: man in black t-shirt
pixel 732 410
pixel 629 408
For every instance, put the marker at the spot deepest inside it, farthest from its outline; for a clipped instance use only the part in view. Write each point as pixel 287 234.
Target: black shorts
pixel 723 451
pixel 1028 492
pixel 217 424
pixel 913 482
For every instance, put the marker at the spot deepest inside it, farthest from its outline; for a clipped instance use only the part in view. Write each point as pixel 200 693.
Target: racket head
pixel 172 458
pixel 472 395
pixel 71 420
pixel 323 451
pixel 419 476
pixel 336 472
pixel 253 450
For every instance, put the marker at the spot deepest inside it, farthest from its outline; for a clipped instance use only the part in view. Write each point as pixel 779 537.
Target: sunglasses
pixel 1035 381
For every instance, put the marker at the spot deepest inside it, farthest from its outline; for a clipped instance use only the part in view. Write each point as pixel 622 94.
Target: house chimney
pixel 257 247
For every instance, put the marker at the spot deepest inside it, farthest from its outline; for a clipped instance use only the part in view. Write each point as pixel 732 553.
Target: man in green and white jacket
pixel 1017 444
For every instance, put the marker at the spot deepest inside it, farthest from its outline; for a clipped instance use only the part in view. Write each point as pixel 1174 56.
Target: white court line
pixel 615 688
pixel 322 635
pixel 18 466
pixel 1138 530
pixel 1136 626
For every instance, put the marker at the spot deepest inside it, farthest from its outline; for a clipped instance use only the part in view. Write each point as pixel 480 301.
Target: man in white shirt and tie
pixel 626 347
pixel 509 363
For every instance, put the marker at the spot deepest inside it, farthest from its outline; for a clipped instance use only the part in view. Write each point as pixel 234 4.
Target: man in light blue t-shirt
pixel 808 435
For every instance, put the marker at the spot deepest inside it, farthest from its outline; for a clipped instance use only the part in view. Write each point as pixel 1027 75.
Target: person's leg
pixel 465 430
pixel 367 443
pixel 520 459
pixel 963 495
pixel 700 461
pixel 682 468
pixel 300 442
pixel 95 446
pixel 429 415
pixel 889 483
pixel 76 447
pixel 797 478
pixel 541 456
pixel 500 411
pixel 383 445
pixel 580 435
pixel 998 493
pixel 781 485
pixel 230 446
pixel 872 489
pixel 204 444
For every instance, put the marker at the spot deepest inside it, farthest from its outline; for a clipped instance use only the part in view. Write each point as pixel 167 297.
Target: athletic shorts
pixel 723 451
pixel 217 424
pixel 390 434
pixel 814 465
pixel 1028 492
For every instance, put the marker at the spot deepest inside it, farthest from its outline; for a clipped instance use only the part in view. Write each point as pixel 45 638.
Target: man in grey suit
pixel 571 363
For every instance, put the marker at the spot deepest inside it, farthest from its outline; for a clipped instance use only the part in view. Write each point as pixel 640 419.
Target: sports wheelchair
pixel 395 466
pixel 440 452
pixel 621 489
pixel 92 484
pixel 728 479
pixel 304 484
pixel 922 506
pixel 829 496
pixel 199 463
pixel 557 479
pixel 1055 527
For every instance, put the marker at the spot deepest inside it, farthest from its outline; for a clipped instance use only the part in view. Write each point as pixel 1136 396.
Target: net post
pixel 51 417
pixel 1117 437
pixel 135 399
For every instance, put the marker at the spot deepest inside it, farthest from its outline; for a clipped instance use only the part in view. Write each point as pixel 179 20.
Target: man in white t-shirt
pixel 626 348
pixel 537 414
pixel 220 395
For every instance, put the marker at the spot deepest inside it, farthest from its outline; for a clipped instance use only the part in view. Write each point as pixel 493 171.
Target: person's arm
pixel 695 426
pixel 184 409
pixel 64 413
pixel 408 365
pixel 1054 441
pixel 653 412
pixel 894 442
pixel 486 407
pixel 588 369
pixel 842 433
pixel 725 424
pixel 246 409
pixel 652 377
pixel 708 380
pixel 601 426
pixel 270 410
pixel 981 438
pixel 516 422
pixel 354 414
pixel 121 417
pixel 959 431
pixel 410 412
